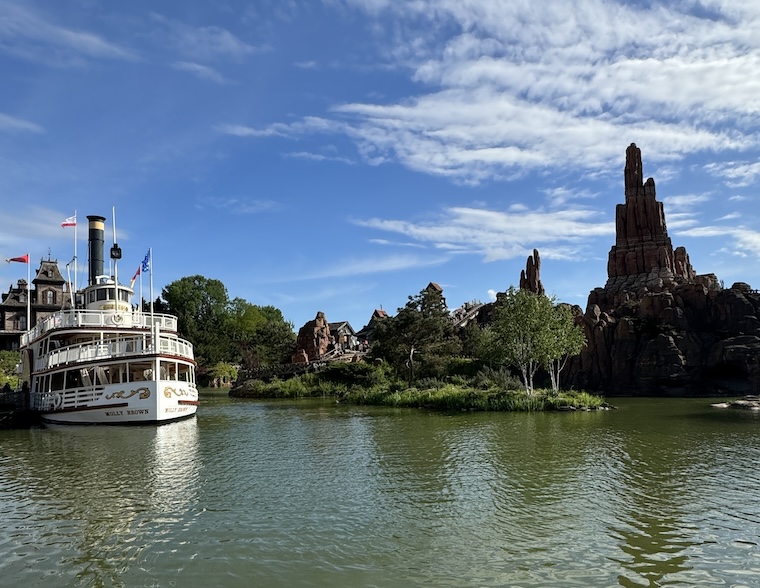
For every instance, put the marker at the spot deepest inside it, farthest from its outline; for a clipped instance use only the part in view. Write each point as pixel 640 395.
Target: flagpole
pixel 150 267
pixel 75 252
pixel 28 292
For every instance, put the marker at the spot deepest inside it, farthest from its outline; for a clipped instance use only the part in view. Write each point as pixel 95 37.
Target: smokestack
pixel 95 239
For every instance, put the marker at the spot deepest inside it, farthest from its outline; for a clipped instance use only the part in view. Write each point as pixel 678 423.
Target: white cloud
pixel 745 241
pixel 13 124
pixel 204 43
pixel 506 88
pixel 202 71
pixel 738 174
pixel 498 235
pixel 30 35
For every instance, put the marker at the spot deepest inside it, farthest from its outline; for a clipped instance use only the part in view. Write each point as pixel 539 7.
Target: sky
pixel 339 155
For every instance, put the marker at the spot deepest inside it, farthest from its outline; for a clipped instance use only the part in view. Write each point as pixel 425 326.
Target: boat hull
pixel 151 402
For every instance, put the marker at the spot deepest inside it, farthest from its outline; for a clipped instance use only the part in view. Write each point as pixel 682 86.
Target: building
pixel 344 335
pixel 48 295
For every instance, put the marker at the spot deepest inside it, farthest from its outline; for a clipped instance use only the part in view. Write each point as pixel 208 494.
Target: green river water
pixel 310 493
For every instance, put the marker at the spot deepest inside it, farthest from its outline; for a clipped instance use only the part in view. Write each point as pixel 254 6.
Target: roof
pixel 341 326
pixel 48 273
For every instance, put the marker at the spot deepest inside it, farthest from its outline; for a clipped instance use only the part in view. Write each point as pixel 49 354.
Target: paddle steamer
pixel 103 361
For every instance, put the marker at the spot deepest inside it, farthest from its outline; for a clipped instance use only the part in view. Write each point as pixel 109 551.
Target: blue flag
pixel 146 262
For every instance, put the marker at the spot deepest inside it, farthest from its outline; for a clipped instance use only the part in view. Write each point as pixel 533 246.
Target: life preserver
pixel 117 319
pixel 57 400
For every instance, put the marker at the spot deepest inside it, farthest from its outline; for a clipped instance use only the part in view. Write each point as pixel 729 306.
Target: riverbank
pixel 366 385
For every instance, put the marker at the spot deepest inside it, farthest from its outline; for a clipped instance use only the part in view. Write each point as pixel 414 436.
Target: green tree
pixel 529 332
pixel 8 361
pixel 519 330
pixel 564 340
pixel 201 307
pixel 420 333
pixel 260 333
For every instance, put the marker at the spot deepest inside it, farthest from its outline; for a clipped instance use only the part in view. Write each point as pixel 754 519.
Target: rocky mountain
pixel 656 327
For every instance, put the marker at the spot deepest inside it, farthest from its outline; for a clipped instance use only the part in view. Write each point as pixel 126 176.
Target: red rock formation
pixel 530 277
pixel 313 339
pixel 643 254
pixel 656 328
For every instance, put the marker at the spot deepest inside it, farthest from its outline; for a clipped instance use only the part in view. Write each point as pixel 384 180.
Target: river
pixel 310 493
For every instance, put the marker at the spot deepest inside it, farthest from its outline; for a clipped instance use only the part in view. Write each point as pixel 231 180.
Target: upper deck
pixel 98 319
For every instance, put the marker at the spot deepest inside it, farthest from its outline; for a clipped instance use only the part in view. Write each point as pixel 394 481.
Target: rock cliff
pixel 313 340
pixel 656 327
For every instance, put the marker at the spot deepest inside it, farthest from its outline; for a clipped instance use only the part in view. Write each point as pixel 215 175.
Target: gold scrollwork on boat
pixel 143 394
pixel 168 391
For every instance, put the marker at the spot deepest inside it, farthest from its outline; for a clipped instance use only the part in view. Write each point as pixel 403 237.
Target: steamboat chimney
pixel 95 240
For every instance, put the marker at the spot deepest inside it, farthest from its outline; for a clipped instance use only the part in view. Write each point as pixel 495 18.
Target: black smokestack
pixel 95 241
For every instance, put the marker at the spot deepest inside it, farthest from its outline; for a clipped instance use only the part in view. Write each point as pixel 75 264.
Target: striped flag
pixel 70 222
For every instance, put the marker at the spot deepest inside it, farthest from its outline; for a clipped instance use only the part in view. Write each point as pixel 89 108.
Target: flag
pixel 137 273
pixel 146 262
pixel 70 222
pixel 22 259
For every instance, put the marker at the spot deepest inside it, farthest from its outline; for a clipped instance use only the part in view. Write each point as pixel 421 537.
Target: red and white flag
pixel 70 222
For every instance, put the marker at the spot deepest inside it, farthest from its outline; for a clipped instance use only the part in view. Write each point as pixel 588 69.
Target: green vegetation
pixel 420 338
pixel 226 333
pixel 8 361
pixel 424 359
pixel 530 332
pixel 361 383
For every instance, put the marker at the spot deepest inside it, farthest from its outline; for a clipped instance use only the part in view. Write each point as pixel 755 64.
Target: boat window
pixel 184 373
pixel 124 295
pixel 102 294
pixel 91 296
pixel 168 370
pixel 73 379
pixel 140 371
pixel 56 381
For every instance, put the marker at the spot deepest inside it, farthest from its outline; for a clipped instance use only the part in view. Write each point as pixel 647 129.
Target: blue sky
pixel 338 155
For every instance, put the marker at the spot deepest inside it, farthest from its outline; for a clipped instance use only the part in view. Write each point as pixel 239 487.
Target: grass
pixel 484 392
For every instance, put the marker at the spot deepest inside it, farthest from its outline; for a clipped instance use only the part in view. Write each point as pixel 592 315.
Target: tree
pixel 530 332
pixel 201 307
pixel 518 332
pixel 260 333
pixel 565 339
pixel 421 332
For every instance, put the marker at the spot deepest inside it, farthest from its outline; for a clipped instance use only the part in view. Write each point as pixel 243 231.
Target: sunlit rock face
pixel 656 327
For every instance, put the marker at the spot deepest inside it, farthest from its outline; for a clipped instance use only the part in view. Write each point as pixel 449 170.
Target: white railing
pixel 97 319
pixel 69 399
pixel 116 349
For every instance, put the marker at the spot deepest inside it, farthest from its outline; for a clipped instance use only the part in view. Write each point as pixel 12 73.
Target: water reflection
pixel 99 497
pixel 317 494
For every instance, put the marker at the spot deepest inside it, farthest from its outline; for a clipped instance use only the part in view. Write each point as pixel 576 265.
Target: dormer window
pixel 49 297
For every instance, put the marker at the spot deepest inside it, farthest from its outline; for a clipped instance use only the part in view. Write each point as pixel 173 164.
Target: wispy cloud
pixel 202 71
pixel 238 205
pixel 203 43
pixel 684 202
pixel 738 174
pixel 496 235
pixel 31 35
pixel 746 241
pixel 12 124
pixel 318 157
pixel 506 89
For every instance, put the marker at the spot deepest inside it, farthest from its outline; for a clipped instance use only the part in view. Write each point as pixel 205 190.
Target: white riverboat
pixel 103 361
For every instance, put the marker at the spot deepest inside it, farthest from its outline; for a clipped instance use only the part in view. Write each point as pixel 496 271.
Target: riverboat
pixel 103 361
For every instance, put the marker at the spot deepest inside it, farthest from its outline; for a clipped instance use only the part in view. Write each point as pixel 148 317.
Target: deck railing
pixel 124 348
pixel 97 319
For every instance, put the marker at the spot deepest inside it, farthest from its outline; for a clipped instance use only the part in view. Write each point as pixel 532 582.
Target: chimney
pixel 95 239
